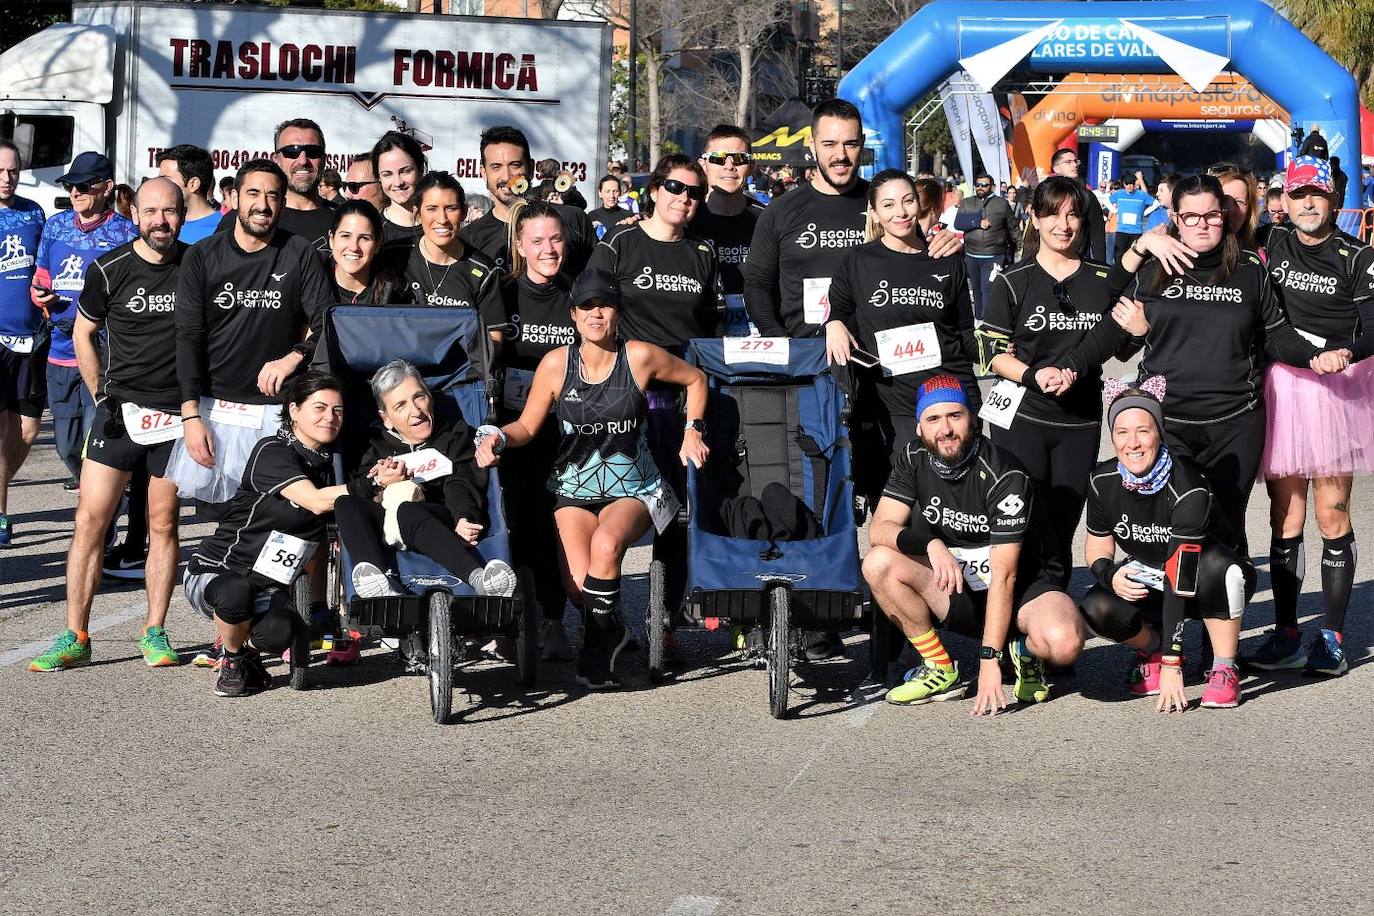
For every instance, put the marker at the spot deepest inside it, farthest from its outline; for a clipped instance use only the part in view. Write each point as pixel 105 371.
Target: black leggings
pixel 426 528
pixel 234 600
pixel 875 441
pixel 1228 452
pixel 1059 462
pixel 1117 619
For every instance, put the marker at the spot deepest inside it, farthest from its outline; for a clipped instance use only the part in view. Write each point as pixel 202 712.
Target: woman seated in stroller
pixel 417 489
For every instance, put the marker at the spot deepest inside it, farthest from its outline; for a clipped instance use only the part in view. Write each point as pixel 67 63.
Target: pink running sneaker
pixel 1223 688
pixel 1144 675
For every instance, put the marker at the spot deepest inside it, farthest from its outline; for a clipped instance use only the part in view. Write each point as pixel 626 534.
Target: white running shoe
pixel 371 582
pixel 496 578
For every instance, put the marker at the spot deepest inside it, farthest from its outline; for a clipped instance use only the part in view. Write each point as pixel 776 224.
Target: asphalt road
pixel 126 789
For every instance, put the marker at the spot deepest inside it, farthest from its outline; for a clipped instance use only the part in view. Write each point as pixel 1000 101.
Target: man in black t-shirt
pixel 130 293
pixel 250 303
pixel 728 216
pixel 505 153
pixel 971 556
pixel 298 150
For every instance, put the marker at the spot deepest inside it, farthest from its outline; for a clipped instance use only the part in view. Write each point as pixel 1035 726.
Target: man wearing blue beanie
pixel 973 556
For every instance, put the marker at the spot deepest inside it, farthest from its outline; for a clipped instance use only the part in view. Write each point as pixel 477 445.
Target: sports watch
pixel 697 426
pixel 987 652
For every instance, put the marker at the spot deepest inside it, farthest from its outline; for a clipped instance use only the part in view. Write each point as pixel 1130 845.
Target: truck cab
pixel 55 91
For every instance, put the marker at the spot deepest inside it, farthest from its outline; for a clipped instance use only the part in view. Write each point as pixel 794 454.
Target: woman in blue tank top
pixel 608 489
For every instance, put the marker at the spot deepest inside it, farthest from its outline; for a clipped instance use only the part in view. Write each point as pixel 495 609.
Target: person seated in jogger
pixel 240 576
pixel 976 555
pixel 609 490
pixel 1158 509
pixel 444 514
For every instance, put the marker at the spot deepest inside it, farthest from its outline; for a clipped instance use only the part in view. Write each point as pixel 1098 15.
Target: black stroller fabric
pixel 778 516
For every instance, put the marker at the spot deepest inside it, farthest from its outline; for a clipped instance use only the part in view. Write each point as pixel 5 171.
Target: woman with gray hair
pixel 416 488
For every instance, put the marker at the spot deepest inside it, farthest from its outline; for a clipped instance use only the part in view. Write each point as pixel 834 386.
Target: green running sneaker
pixel 927 685
pixel 157 649
pixel 66 652
pixel 1030 674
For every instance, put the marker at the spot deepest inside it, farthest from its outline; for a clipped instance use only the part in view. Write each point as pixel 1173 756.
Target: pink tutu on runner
pixel 1319 425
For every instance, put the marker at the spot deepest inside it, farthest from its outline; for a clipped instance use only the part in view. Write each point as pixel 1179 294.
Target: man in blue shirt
pixel 23 388
pixel 191 169
pixel 71 241
pixel 1130 204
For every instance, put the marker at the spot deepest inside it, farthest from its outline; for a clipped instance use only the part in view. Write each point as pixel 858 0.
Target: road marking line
pixel 15 656
pixel 693 906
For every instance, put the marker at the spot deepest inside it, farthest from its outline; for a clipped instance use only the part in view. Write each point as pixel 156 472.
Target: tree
pixel 32 17
pixel 1342 28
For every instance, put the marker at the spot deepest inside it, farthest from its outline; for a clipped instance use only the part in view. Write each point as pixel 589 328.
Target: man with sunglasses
pixel 727 218
pixel 505 155
pixel 1065 162
pixel 71 241
pixel 191 169
pixel 23 379
pixel 298 147
pixel 360 182
pixel 990 236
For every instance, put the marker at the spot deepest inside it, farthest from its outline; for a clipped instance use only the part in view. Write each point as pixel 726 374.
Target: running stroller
pixel 775 414
pixel 443 610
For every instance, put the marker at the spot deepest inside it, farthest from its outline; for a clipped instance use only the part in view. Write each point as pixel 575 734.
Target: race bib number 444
pixel 815 299
pixel 908 349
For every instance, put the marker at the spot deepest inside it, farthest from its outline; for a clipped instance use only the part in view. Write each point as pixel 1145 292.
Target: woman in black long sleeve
pixel 1045 305
pixel 1211 320
pixel 912 311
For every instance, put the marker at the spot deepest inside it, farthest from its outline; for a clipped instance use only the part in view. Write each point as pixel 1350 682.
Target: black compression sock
pixel 600 597
pixel 1287 566
pixel 1338 576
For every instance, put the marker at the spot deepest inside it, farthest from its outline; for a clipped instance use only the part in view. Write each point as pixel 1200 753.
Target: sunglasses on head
pixel 293 151
pixel 353 187
pixel 732 158
pixel 675 187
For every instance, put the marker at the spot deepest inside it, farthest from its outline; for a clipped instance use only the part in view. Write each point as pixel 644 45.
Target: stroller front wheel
pixel 779 650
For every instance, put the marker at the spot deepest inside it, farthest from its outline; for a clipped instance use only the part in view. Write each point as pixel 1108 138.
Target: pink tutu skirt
pixel 1319 425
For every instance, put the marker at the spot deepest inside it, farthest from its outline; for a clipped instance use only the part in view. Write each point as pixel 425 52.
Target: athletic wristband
pixel 486 429
pixel 1104 570
pixel 909 543
pixel 1176 663
pixel 1028 380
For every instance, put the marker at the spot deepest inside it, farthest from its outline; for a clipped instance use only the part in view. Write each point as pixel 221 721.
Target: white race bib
pixel 1144 575
pixel 1313 339
pixel 150 426
pixel 1129 219
pixel 282 557
pixel 815 299
pixel 908 349
pixel 774 351
pixel 427 464
pixel 662 505
pixel 1002 403
pixel 976 565
pixel 516 389
pixel 19 345
pixel 232 413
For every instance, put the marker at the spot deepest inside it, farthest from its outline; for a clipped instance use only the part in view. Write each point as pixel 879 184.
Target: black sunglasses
pixel 593 304
pixel 311 150
pixel 353 187
pixel 85 187
pixel 1061 295
pixel 675 187
pixel 732 158
pixel 982 184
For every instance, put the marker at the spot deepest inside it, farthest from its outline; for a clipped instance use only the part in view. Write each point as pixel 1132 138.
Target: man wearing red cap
pixel 1320 428
pixel 971 557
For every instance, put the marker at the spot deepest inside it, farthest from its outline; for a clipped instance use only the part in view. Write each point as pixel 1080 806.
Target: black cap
pixel 88 167
pixel 597 284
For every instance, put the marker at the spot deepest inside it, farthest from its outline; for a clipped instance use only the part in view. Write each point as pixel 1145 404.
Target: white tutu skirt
pixel 1319 425
pixel 232 446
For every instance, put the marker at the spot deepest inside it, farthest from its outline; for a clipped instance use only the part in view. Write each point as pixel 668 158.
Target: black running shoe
pixel 232 677
pixel 255 676
pixel 594 667
pixel 124 562
pixel 823 646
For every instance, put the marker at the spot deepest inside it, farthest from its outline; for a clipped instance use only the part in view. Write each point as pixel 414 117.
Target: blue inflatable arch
pixel 1197 39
